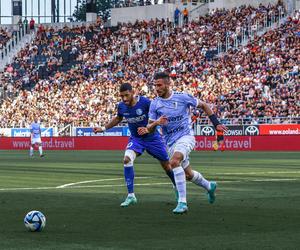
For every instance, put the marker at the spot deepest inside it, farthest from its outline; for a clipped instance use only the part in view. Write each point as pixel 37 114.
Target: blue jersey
pixel 35 130
pixel 137 116
pixel 177 109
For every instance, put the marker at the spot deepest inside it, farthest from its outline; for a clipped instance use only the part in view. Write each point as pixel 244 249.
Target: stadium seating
pixel 72 75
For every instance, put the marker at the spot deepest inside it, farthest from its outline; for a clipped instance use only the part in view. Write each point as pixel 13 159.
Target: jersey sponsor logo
pixel 251 130
pixel 175 130
pixel 136 119
pixel 139 112
pixel 207 130
pixel 175 118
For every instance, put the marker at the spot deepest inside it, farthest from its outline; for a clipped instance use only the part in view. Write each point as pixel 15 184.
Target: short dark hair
pixel 125 86
pixel 161 75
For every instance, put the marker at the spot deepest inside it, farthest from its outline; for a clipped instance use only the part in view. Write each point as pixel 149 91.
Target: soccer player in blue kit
pixel 135 110
pixel 171 111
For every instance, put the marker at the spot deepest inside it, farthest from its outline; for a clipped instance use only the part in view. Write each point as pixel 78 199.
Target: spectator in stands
pixel 5 35
pixel 176 16
pixel 26 24
pixel 185 14
pixel 31 24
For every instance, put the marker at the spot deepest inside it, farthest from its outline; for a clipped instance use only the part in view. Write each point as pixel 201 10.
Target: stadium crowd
pixel 72 75
pixel 4 37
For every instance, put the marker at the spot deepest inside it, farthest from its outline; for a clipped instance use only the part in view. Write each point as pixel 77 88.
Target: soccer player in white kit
pixel 36 137
pixel 171 111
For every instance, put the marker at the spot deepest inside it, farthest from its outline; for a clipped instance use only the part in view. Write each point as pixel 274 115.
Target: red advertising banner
pixel 252 143
pixel 280 129
pixel 236 143
pixel 68 143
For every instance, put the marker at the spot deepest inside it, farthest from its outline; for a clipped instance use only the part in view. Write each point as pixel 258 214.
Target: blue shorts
pixel 155 147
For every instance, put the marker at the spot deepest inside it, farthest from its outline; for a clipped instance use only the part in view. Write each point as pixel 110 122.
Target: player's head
pixel 126 93
pixel 162 83
pixel 35 119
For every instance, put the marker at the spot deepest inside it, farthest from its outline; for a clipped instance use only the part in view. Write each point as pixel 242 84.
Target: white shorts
pixel 184 145
pixel 36 140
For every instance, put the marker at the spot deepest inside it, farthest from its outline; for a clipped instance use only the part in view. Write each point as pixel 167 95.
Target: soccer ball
pixel 35 221
pixel 215 145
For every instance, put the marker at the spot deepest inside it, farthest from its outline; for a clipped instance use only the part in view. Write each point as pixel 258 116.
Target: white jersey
pixel 177 109
pixel 178 132
pixel 35 130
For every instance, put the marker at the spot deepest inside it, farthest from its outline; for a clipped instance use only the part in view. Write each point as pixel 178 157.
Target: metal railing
pixel 19 31
pixel 232 40
pixel 68 129
pixel 252 121
pixel 244 34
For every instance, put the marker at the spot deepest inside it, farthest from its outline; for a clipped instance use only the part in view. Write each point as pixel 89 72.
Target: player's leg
pixel 132 151
pixel 198 179
pixel 40 148
pixel 180 152
pixel 179 176
pixel 169 171
pixel 31 149
pixel 222 145
pixel 158 150
pixel 129 158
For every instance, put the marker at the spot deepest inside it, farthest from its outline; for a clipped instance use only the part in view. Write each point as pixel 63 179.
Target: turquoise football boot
pixel 211 194
pixel 181 208
pixel 130 200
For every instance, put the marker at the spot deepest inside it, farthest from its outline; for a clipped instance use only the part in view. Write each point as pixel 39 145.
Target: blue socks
pixel 129 178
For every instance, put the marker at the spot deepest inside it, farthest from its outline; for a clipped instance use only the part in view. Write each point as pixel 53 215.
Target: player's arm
pixel 113 122
pixel 152 124
pixel 212 117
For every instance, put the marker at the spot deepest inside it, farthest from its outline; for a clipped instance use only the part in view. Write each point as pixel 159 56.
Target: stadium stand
pixel 72 75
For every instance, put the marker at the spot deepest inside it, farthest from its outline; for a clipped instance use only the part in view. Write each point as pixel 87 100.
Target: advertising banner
pixel 280 129
pixel 25 132
pixel 233 130
pixel 84 131
pixel 236 143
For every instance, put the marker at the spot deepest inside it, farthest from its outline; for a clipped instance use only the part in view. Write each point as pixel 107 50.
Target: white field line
pixel 142 184
pixel 99 180
pixel 258 173
pixel 148 177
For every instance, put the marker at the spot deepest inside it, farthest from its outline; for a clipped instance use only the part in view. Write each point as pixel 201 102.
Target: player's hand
pixel 97 130
pixel 163 120
pixel 221 127
pixel 142 131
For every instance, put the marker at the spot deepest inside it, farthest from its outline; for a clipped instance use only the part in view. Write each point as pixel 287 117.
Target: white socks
pixel 31 151
pixel 40 151
pixel 199 180
pixel 180 181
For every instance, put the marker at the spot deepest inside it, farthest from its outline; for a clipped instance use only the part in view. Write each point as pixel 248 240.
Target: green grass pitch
pixel 257 206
